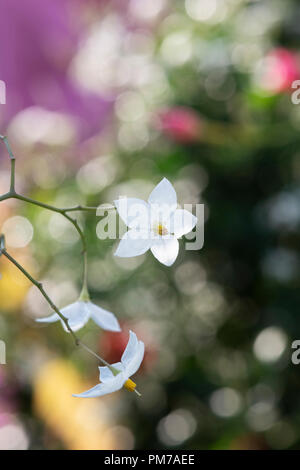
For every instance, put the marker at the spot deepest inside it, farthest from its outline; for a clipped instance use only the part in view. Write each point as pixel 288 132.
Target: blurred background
pixel 105 98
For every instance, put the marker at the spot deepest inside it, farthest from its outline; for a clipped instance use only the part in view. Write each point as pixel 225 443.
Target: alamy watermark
pixel 296 94
pixel 296 354
pixel 2 92
pixel 2 352
pixel 154 222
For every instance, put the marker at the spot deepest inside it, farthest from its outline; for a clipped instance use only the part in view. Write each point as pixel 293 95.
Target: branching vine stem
pixel 12 194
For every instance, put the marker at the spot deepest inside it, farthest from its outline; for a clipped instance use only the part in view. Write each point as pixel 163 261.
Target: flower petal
pixel 165 250
pixel 163 194
pixel 161 215
pixel 134 212
pixel 77 314
pixel 51 319
pixel 133 354
pixel 182 222
pixel 130 349
pixel 96 391
pixel 103 318
pixel 105 374
pixel 104 388
pixel 119 366
pixel 134 364
pixel 133 243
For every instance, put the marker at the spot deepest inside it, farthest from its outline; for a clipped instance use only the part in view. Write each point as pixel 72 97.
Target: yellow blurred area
pixel 13 284
pixel 83 424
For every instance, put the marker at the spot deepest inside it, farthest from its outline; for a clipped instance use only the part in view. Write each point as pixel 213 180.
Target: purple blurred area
pixel 37 43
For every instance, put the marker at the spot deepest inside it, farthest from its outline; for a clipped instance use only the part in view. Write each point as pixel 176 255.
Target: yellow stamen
pixel 130 385
pixel 161 230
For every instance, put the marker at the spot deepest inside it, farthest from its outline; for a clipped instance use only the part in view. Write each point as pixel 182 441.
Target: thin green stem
pixel 84 346
pixel 5 196
pixel 12 175
pixel 80 208
pixel 50 207
pixel 68 217
pixel 12 163
pixel 4 138
pixel 84 295
pixel 37 203
pixel 40 287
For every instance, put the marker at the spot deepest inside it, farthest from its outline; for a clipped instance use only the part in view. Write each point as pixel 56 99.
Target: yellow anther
pixel 130 385
pixel 161 230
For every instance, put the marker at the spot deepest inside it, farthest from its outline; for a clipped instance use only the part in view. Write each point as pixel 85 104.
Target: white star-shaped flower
pixel 155 225
pixel 79 313
pixel 116 376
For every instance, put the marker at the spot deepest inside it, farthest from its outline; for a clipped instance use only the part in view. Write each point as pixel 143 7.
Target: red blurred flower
pixel 112 345
pixel 180 123
pixel 278 70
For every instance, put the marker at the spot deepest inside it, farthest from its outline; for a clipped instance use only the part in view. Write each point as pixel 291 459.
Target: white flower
pixel 79 313
pixel 154 225
pixel 116 376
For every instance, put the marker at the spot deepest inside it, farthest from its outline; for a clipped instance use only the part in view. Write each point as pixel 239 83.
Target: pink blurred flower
pixel 37 43
pixel 180 123
pixel 278 70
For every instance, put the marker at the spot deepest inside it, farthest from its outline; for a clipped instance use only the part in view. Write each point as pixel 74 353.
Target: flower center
pixel 130 385
pixel 160 230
